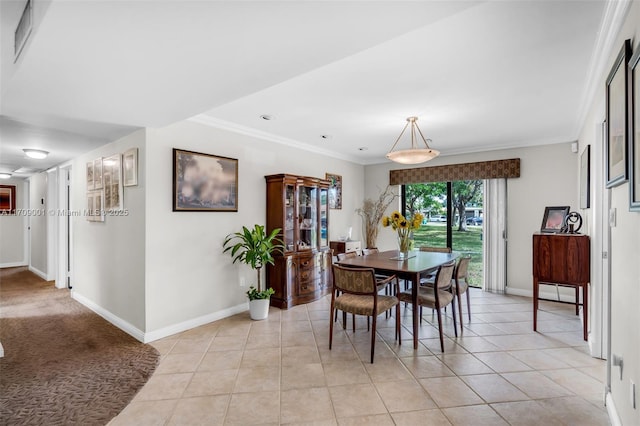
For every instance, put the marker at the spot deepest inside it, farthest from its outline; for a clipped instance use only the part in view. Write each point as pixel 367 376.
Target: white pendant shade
pixel 416 154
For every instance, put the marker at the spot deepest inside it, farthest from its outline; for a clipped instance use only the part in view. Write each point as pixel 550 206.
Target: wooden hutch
pixel 299 206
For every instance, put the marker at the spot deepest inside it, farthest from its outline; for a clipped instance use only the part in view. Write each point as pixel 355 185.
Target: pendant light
pixel 416 154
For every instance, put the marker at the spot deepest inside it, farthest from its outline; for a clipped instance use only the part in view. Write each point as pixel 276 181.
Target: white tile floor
pixel 281 371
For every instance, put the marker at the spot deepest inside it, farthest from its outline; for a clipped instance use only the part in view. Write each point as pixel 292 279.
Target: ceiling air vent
pixel 23 30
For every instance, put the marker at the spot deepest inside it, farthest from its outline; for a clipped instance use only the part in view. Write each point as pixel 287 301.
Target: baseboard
pixel 38 273
pixel 614 418
pixel 193 323
pixel 12 264
pixel 113 319
pixel 543 294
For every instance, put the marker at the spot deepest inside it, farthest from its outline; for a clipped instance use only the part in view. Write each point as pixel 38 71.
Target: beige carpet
pixel 63 364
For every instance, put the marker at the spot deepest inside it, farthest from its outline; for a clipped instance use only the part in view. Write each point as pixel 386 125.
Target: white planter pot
pixel 259 309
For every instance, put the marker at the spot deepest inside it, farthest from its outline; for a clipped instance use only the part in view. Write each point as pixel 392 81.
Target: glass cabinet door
pixel 307 217
pixel 324 217
pixel 289 218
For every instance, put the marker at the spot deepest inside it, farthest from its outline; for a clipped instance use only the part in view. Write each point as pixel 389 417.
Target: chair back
pixel 436 249
pixel 444 275
pixel 354 280
pixel 342 256
pixel 368 251
pixel 462 268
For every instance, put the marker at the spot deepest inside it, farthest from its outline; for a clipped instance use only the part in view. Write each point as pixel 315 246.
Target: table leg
pixel 535 304
pixel 585 310
pixel 416 308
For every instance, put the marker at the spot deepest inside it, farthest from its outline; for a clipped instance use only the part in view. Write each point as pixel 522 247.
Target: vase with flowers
pixel 404 227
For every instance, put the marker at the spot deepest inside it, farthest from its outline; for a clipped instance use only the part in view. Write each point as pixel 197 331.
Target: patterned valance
pixel 452 172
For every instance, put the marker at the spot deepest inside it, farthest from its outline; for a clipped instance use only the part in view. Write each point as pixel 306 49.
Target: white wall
pixel 624 249
pixel 547 178
pixel 109 256
pixel 189 280
pixel 38 224
pixel 13 244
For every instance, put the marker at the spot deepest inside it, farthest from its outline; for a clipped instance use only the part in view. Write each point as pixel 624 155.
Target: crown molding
pixel 613 18
pixel 248 131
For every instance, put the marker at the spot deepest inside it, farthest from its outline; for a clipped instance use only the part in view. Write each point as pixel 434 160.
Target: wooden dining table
pixel 418 263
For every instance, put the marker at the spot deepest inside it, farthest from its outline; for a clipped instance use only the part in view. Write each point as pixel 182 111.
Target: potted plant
pixel 255 248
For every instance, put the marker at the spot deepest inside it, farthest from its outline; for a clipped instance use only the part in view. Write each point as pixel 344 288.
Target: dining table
pixel 412 267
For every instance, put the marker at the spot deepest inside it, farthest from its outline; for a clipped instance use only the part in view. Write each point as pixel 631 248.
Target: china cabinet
pixel 299 205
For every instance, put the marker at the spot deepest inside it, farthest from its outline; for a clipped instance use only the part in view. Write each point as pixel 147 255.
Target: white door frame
pixel 64 225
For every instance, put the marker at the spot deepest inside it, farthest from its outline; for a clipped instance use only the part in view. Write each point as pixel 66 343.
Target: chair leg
pixel 344 320
pixel 440 329
pixel 460 309
pixel 453 315
pixel 373 336
pixel 367 323
pixel 420 314
pixel 468 305
pixel 353 321
pixel 398 328
pixel 331 323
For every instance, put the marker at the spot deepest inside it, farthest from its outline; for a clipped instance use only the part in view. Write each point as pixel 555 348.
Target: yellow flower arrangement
pixel 403 226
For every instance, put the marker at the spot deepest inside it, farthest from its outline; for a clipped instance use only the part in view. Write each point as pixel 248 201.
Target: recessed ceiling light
pixel 326 136
pixel 362 148
pixel 267 117
pixel 5 175
pixel 36 153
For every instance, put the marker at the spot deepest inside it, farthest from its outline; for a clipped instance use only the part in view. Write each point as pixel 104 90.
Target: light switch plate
pixel 612 218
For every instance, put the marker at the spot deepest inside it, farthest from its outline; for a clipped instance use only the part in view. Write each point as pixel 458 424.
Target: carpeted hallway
pixel 63 364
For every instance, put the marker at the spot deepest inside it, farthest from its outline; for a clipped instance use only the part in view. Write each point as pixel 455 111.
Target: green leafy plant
pixel 254 294
pixel 254 248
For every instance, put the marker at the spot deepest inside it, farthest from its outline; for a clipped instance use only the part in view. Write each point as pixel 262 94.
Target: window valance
pixel 452 172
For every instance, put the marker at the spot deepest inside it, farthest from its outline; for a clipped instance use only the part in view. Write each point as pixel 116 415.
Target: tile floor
pixel 281 371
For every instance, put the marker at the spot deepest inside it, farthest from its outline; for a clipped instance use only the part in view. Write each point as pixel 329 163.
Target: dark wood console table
pixel 562 259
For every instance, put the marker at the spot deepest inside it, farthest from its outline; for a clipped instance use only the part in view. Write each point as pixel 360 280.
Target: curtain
pixel 495 235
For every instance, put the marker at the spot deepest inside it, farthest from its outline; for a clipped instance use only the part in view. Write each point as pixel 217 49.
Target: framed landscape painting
pixel 554 219
pixel 204 182
pixel 335 191
pixel 7 199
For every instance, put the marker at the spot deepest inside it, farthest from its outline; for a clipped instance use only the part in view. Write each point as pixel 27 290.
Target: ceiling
pixel 479 75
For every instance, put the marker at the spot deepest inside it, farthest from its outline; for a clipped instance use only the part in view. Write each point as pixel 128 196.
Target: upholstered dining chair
pixel 428 279
pixel 462 284
pixel 436 297
pixel 355 291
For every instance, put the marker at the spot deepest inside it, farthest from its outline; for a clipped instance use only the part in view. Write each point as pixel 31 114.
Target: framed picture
pixel 585 178
pixel 7 199
pixel 90 182
pixel 204 182
pixel 95 212
pixel 130 167
pixel 634 137
pixel 335 191
pixel 617 105
pixel 112 183
pixel 554 219
pixel 97 173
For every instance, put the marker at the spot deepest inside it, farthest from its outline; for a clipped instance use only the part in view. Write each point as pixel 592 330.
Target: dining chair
pixel 436 297
pixel 460 276
pixel 355 291
pixel 436 249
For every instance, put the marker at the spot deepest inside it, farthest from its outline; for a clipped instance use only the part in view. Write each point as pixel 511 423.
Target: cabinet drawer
pixel 308 286
pixel 308 274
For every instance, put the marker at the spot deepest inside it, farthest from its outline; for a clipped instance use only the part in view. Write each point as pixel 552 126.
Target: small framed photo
pixel 204 182
pixel 90 181
pixel 617 105
pixel 97 173
pixel 335 191
pixel 554 219
pixel 130 167
pixel 7 199
pixel 95 212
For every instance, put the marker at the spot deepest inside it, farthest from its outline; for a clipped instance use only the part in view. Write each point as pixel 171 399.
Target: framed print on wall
pixel 7 199
pixel 204 182
pixel 617 104
pixel 585 178
pixel 130 167
pixel 335 191
pixel 634 137
pixel 97 173
pixel 112 182
pixel 90 169
pixel 554 219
